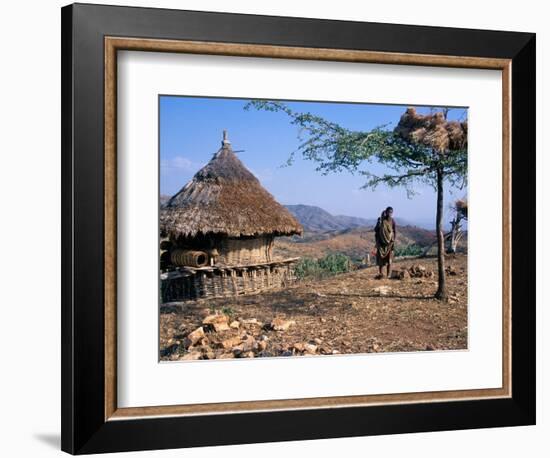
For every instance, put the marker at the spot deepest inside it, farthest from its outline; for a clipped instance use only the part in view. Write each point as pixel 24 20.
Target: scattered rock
pixel 301 322
pixel 402 274
pixel 418 268
pixel 226 356
pixel 449 270
pixel 453 299
pixel 195 336
pixel 252 322
pixel 382 290
pixel 310 349
pixel 280 324
pixel 218 322
pixel 192 356
pixel 231 342
pixel 419 271
pixel 249 344
pixel 209 354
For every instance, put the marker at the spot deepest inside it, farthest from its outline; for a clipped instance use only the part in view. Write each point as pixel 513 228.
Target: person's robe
pixel 385 237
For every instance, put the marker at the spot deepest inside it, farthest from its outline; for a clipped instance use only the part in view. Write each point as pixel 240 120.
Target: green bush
pixel 307 267
pixel 335 263
pixel 331 264
pixel 410 250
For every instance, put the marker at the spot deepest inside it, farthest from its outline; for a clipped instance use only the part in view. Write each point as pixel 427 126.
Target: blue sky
pixel 191 132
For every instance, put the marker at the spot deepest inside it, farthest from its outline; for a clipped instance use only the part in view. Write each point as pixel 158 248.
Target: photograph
pixel 306 228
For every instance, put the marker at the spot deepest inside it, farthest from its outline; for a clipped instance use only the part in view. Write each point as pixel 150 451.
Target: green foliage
pixel 335 263
pixel 228 311
pixel 331 264
pixel 335 148
pixel 410 250
pixel 306 268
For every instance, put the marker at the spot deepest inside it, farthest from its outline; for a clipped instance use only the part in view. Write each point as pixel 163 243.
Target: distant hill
pixel 355 243
pixel 355 221
pixel 315 219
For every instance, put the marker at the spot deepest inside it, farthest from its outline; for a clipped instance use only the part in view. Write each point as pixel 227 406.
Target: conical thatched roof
pixel 225 198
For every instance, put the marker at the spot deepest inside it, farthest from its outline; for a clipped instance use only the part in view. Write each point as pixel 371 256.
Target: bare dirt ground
pixel 346 313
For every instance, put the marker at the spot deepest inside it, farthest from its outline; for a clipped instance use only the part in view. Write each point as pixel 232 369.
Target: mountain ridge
pixel 316 219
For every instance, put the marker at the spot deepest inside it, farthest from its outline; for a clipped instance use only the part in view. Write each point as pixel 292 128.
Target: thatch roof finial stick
pixel 225 141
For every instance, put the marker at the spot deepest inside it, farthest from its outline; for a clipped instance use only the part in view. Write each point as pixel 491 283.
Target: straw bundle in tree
pixel 461 206
pixel 433 130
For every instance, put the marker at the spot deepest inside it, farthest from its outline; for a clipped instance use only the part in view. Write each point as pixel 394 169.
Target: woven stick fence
pixel 226 281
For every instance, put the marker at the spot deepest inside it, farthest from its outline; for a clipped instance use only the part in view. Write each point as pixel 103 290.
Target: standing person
pixel 385 233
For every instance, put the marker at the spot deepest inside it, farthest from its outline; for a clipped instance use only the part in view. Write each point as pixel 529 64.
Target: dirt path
pixel 342 314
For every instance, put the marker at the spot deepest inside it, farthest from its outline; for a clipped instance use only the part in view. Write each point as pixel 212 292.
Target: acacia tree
pixel 422 148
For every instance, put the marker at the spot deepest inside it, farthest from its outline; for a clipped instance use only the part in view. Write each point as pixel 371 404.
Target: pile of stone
pixel 221 337
pixel 420 271
pixel 414 271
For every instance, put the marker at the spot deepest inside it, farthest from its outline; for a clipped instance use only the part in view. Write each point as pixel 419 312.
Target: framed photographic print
pixel 280 228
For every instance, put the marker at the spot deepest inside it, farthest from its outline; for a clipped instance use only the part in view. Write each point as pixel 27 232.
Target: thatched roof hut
pixel 221 228
pixel 225 198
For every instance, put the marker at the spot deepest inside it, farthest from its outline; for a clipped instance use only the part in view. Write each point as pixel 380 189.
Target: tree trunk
pixel 454 236
pixel 441 293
